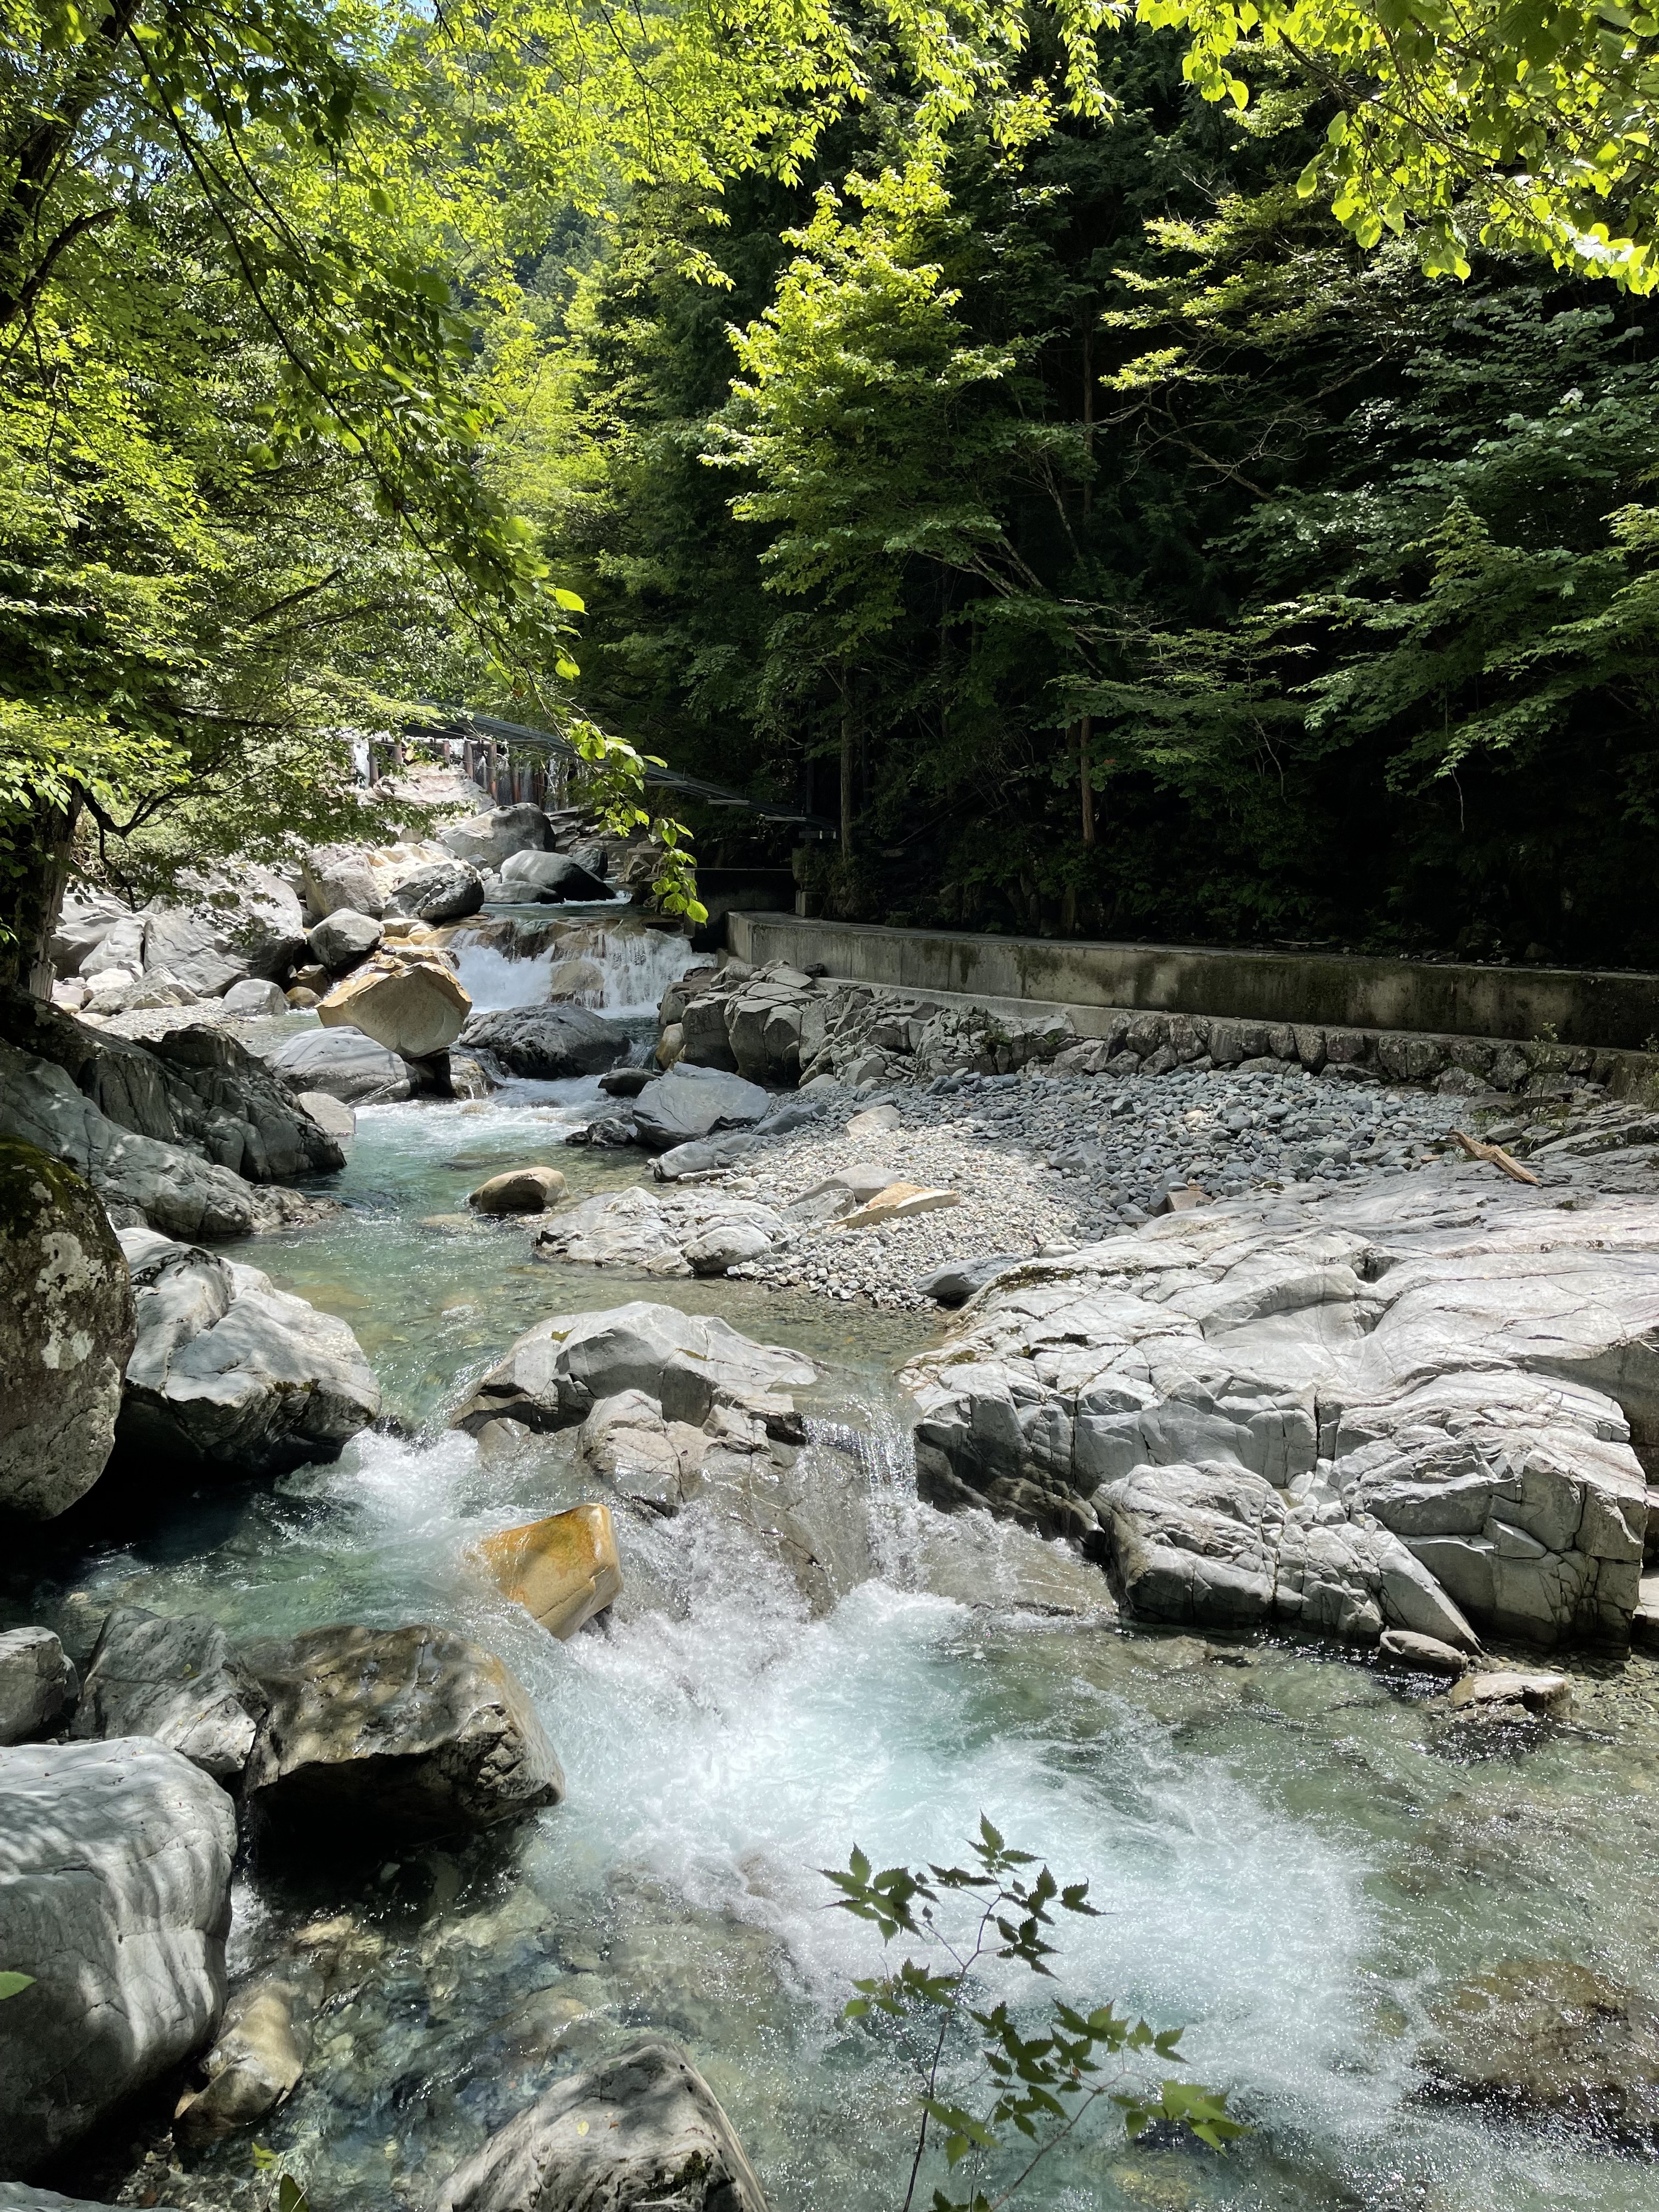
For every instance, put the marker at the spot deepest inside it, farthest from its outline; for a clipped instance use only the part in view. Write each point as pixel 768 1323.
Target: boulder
pixel 1551 2039
pixel 1423 1654
pixel 723 1245
pixel 518 1190
pixel 551 1043
pixel 656 1231
pixel 85 920
pixel 174 1679
pixel 898 1201
pixel 67 1330
pixel 413 1730
pixel 443 890
pixel 339 876
pixel 37 1683
pixel 256 2059
pixel 958 1280
pixel 1502 1694
pixel 343 937
pixel 625 1082
pixel 563 1569
pixel 329 1112
pixel 20 2196
pixel 558 1370
pixel 253 927
pixel 253 997
pixel 115 1865
pixel 488 839
pixel 229 1373
pixel 549 877
pixel 691 1102
pixel 578 978
pixel 411 1002
pixel 345 1065
pixel 641 2129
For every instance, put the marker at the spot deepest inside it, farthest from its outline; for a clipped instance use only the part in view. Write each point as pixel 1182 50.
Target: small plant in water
pixel 289 2195
pixel 1035 2090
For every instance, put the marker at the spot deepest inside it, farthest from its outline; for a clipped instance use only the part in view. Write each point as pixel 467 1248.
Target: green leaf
pixel 12 1984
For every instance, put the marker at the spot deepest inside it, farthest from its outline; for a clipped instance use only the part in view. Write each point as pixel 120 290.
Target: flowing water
pixel 1288 1853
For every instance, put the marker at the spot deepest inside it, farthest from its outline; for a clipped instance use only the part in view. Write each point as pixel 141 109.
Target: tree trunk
pixel 32 900
pixel 1084 729
pixel 1088 432
pixel 848 731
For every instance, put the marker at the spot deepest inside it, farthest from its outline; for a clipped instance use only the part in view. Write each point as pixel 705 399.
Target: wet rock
pixel 346 1065
pixel 563 1571
pixel 491 838
pixel 556 1372
pixel 1555 2039
pixel 443 890
pixel 409 1000
pixel 625 1082
pixel 518 1190
pixel 174 1679
pixel 343 937
pixel 253 997
pixel 115 1863
pixel 413 1730
pixel 1424 1655
pixel 641 2128
pixel 67 1330
pixel 549 1044
pixel 20 2196
pixel 1503 1694
pixel 579 979
pixel 230 1373
pixel 255 2064
pixel 329 1112
pixel 37 1683
pixel 689 1102
pixel 958 1280
pixel 548 876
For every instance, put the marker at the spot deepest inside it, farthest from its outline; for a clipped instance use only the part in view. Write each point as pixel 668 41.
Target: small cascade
pixel 625 966
pixel 882 1448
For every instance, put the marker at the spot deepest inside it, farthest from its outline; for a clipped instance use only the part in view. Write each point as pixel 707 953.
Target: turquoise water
pixel 1289 1855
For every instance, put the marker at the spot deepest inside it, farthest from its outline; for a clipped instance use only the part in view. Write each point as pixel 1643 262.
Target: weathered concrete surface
pixel 1348 990
pixel 1396 1409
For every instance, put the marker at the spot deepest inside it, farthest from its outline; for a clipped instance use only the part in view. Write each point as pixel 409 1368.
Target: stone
pixel 412 1003
pixel 488 839
pixel 174 1679
pixel 898 1201
pixel 301 1000
pixel 558 1370
pixel 692 1101
pixel 253 997
pixel 252 926
pixel 1408 1059
pixel 724 1245
pixel 343 937
pixel 1556 2040
pixel 578 978
pixel 1424 1655
pixel 548 876
pixel 84 920
pixel 669 1046
pixel 645 1230
pixel 413 1730
pixel 958 1280
pixel 329 1112
pixel 20 2196
pixel 121 945
pixel 37 1683
pixel 1502 1692
pixel 443 890
pixel 115 1866
pixel 875 1122
pixel 67 1330
pixel 339 876
pixel 564 1570
pixel 344 1065
pixel 230 1374
pixel 257 2060
pixel 549 1043
pixel 638 2131
pixel 625 1082
pixel 518 1190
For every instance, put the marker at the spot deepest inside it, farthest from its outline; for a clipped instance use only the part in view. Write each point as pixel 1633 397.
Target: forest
pixel 1183 472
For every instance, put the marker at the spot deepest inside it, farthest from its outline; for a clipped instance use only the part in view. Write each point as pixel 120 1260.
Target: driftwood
pixel 1497 1156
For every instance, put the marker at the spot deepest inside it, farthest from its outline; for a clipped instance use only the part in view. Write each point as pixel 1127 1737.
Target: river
pixel 1288 1853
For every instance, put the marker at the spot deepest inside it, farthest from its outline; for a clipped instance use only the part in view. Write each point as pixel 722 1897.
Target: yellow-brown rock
pixel 407 998
pixel 563 1569
pixel 897 1202
pixel 518 1190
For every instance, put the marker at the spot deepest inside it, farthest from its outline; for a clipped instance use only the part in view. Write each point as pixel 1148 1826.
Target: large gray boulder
pixel 641 2132
pixel 702 1230
pixel 37 1683
pixel 174 1679
pixel 338 876
pixel 488 839
pixel 115 1864
pixel 229 1372
pixel 66 1333
pixel 557 1371
pixel 86 920
pixel 548 876
pixel 689 1102
pixel 412 1730
pixel 549 1042
pixel 343 938
pixel 346 1064
pixel 252 926
pixel 1419 1372
pixel 442 890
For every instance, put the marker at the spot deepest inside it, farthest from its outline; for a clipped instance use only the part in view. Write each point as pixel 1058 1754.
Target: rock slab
pixel 174 1680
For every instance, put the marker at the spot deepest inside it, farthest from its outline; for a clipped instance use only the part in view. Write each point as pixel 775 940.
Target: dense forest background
pixel 1330 578
pixel 947 419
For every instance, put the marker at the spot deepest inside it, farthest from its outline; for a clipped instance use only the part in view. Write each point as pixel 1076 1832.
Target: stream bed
pixel 1289 1851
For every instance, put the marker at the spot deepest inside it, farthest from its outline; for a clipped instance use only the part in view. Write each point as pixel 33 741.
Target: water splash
pixel 635 966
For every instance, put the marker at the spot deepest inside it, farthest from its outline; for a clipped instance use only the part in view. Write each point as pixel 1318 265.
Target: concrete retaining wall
pixel 1596 1008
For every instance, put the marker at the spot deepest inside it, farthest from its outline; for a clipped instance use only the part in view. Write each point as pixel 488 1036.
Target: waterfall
pixel 509 962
